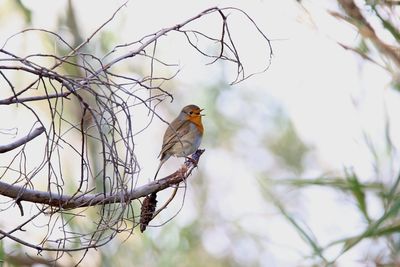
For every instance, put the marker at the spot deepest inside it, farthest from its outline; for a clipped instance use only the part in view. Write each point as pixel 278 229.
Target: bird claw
pixel 190 160
pixel 194 158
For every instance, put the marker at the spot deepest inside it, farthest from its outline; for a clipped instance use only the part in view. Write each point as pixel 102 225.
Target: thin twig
pixel 86 200
pixel 22 141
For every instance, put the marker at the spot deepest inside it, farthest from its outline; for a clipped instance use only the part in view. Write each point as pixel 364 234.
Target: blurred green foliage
pixel 287 145
pixel 27 13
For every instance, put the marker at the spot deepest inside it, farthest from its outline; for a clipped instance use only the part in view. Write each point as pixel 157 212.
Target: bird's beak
pixel 201 111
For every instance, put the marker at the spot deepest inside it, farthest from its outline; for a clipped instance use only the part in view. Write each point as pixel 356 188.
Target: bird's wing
pixel 173 136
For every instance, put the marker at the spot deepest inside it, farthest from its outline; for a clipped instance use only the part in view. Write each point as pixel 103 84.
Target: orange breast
pixel 197 121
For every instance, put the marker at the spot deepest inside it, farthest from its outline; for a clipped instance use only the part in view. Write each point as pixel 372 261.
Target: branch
pixel 33 134
pixel 90 109
pixel 85 200
pixel 367 31
pixel 363 55
pixel 144 43
pixel 130 54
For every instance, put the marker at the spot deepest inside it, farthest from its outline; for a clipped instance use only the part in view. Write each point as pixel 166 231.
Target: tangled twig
pixel 84 164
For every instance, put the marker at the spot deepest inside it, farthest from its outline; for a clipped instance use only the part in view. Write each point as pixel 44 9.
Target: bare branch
pixel 88 109
pixel 367 31
pixel 86 200
pixel 22 141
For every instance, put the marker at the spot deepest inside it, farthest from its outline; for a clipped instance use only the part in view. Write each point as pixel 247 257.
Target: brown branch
pixel 33 134
pixel 85 200
pixel 367 31
pixel 361 54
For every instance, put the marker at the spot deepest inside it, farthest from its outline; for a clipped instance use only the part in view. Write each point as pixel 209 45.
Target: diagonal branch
pixel 33 134
pixel 367 31
pixel 85 200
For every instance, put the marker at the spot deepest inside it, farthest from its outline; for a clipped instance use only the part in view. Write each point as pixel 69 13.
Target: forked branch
pixel 85 200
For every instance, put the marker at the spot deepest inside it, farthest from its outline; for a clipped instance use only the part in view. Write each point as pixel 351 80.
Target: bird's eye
pixel 191 112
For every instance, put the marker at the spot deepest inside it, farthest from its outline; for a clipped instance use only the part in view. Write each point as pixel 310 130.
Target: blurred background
pixel 301 164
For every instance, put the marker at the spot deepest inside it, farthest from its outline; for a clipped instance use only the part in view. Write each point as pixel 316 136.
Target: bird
pixel 183 135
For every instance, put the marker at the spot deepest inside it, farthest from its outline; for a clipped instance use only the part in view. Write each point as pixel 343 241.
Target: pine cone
pixel 148 208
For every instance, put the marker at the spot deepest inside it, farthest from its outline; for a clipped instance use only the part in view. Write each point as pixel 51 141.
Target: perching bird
pixel 183 135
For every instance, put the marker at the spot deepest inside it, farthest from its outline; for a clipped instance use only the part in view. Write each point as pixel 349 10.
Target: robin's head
pixel 192 113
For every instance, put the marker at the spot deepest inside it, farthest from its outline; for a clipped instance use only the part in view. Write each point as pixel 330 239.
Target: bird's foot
pixel 190 160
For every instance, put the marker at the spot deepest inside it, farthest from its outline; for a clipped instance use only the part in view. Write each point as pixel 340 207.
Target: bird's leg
pixel 189 159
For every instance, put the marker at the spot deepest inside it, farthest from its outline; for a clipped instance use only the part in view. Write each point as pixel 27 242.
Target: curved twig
pixel 32 135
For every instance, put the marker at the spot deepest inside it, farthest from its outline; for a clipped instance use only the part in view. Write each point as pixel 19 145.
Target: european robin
pixel 183 135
